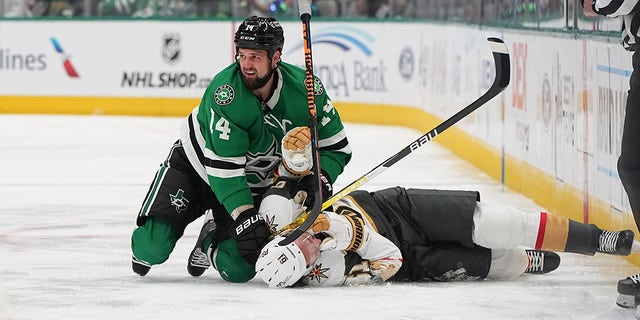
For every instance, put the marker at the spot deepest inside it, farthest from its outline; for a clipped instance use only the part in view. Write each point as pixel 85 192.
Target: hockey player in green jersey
pixel 229 153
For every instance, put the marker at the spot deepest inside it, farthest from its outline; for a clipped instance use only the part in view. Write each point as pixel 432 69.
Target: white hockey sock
pixel 507 264
pixel 503 227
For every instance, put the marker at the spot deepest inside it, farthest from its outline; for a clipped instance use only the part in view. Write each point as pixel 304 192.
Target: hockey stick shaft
pixel 304 7
pixel 500 82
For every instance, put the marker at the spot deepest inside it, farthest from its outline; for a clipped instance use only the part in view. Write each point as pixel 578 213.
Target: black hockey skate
pixel 198 260
pixel 542 261
pixel 629 292
pixel 140 267
pixel 616 243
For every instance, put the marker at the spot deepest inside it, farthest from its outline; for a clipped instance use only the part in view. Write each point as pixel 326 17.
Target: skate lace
pixel 608 241
pixel 635 279
pixel 536 261
pixel 199 258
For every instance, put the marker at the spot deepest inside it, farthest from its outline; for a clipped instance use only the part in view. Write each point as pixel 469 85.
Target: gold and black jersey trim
pixel 361 211
pixel 357 225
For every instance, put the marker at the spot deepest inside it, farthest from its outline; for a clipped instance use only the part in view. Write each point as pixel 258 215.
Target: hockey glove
pixel 282 203
pixel 307 184
pixel 296 153
pixel 250 233
pixel 345 232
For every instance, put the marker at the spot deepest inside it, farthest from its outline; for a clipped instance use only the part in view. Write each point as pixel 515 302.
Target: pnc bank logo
pixel 342 37
pixel 66 61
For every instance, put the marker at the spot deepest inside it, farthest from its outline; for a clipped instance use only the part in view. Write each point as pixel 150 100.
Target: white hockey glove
pixel 363 273
pixel 296 153
pixel 278 207
pixel 345 232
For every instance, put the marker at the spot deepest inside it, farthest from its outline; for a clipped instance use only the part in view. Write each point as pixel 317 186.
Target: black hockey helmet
pixel 262 33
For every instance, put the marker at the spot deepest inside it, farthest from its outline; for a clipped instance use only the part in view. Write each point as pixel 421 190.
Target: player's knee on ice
pixel 154 241
pixel 231 266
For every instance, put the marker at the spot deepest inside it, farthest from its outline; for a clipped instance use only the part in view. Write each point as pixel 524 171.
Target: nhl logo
pixel 224 95
pixel 406 63
pixel 171 52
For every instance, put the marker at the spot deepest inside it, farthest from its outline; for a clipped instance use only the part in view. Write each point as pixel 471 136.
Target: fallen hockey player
pixel 400 234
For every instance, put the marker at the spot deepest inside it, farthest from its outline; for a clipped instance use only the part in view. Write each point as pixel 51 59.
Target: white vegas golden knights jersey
pixel 376 260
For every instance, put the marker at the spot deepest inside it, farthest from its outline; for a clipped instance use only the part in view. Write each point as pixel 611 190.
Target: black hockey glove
pixel 251 234
pixel 307 184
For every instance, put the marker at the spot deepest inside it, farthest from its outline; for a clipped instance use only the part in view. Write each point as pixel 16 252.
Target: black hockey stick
pixel 304 7
pixel 501 81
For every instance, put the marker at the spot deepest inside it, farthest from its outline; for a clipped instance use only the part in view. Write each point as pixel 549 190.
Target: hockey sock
pixel 231 266
pixel 154 241
pixel 560 234
pixel 507 264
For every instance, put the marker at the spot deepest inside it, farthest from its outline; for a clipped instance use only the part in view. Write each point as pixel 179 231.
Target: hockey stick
pixel 304 7
pixel 501 81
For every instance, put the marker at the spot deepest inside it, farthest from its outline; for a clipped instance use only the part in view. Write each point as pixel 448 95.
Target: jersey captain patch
pixel 224 94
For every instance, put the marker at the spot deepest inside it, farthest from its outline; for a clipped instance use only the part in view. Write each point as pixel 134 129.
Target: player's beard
pixel 257 82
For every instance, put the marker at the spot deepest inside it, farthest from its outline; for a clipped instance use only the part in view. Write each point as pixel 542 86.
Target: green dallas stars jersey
pixel 233 139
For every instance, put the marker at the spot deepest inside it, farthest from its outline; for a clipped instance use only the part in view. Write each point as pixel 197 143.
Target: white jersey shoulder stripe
pixel 335 139
pixel 189 148
pixel 225 173
pixel 209 154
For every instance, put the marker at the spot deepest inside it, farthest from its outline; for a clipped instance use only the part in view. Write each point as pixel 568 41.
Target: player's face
pixel 310 247
pixel 256 67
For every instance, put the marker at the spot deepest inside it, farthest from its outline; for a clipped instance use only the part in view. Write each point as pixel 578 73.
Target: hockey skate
pixel 198 260
pixel 140 267
pixel 542 261
pixel 616 242
pixel 629 292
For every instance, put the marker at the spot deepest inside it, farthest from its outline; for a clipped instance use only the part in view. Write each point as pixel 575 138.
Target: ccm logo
pixel 248 222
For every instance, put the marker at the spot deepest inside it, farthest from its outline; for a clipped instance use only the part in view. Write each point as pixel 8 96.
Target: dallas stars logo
pixel 317 87
pixel 224 94
pixel 317 273
pixel 178 201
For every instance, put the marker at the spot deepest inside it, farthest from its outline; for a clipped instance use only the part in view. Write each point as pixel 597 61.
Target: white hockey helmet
pixel 282 266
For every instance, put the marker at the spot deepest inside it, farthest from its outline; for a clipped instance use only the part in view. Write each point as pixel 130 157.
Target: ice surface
pixel 70 188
